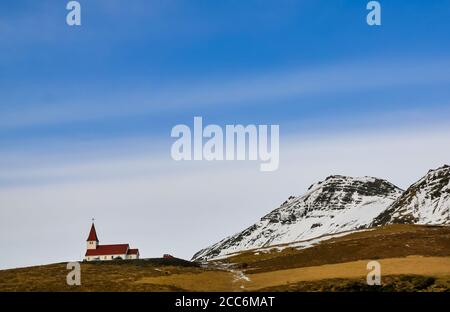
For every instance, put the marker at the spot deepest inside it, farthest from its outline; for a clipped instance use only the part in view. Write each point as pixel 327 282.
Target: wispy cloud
pixel 226 92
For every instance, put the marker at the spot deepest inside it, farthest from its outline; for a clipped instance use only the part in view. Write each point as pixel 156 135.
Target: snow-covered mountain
pixel 335 205
pixel 341 204
pixel 425 202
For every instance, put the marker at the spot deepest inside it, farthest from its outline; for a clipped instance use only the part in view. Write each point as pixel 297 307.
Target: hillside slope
pixel 413 258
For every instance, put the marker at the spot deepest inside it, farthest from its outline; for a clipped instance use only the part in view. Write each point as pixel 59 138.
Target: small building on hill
pixel 96 252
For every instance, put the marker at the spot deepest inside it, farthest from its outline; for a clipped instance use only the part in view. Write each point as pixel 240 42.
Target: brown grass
pixel 336 264
pixel 429 266
pixel 388 242
pixel 391 283
pixel 205 281
pixel 94 277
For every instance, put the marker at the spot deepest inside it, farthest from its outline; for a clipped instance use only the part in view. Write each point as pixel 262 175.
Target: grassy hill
pixel 412 258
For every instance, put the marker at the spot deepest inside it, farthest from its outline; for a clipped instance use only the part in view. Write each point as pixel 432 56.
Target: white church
pixel 96 252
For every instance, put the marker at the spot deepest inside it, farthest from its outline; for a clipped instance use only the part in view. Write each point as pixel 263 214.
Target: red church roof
pixel 133 251
pixel 92 234
pixel 103 250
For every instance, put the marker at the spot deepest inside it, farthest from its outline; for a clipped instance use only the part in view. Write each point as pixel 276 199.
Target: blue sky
pixel 115 74
pixel 93 104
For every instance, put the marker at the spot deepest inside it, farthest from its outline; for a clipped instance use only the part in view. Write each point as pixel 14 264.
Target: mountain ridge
pixel 425 202
pixel 336 204
pixel 341 204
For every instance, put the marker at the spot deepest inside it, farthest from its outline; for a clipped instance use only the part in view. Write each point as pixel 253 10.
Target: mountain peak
pixel 341 204
pixel 444 168
pixel 341 179
pixel 425 202
pixel 368 186
pixel 336 204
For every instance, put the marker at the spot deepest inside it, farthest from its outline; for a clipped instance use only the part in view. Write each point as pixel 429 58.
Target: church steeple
pixel 92 240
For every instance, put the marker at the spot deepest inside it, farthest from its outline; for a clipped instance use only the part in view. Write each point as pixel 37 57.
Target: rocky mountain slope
pixel 335 205
pixel 425 202
pixel 341 204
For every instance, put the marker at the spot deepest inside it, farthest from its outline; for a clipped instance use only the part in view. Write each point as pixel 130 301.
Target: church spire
pixel 92 233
